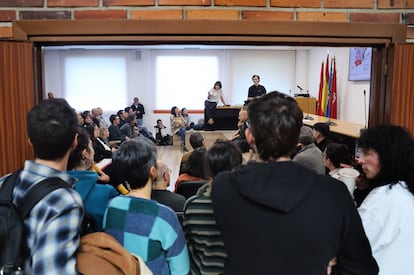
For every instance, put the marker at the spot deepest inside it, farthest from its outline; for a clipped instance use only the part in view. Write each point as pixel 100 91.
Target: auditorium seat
pixel 189 188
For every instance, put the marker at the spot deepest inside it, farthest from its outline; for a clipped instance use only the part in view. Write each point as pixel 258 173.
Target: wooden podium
pixel 307 104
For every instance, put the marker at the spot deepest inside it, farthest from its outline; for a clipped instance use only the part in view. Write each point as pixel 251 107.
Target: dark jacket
pixel 100 151
pixel 283 218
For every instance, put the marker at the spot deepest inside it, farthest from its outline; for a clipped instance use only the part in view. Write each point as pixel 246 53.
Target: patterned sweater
pixel 205 244
pixel 149 230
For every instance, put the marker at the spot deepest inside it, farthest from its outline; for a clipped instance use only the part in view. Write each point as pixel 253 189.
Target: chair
pixel 189 188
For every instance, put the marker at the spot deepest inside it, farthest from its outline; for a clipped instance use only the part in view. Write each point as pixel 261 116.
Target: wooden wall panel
pixel 17 97
pixel 402 98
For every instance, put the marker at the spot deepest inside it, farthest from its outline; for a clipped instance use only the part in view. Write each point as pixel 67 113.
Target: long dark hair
pixel 173 110
pixel 75 157
pixel 395 148
pixel 196 165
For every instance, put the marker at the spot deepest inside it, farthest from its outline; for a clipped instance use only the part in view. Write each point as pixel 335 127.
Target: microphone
pixel 300 88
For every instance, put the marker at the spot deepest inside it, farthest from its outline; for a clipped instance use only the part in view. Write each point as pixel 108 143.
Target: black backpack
pixel 13 250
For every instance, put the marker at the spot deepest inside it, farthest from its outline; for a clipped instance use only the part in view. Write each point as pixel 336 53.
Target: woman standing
pixel 214 95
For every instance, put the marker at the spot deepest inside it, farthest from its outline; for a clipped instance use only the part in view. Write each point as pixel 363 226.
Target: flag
pixel 334 93
pixel 324 97
pixel 319 111
pixel 328 102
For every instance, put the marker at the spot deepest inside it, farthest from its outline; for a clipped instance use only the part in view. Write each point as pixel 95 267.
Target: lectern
pixel 307 104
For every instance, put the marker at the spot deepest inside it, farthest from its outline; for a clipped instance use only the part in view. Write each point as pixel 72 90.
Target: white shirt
pixel 215 95
pixel 388 219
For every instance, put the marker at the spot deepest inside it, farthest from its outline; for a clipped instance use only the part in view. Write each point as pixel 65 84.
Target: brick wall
pixel 389 11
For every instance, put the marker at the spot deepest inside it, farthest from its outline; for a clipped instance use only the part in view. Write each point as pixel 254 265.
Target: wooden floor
pixel 172 155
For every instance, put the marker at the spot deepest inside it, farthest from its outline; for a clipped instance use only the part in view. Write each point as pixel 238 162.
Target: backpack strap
pixel 6 190
pixel 40 190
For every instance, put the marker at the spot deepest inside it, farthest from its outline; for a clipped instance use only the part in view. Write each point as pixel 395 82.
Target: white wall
pixel 280 70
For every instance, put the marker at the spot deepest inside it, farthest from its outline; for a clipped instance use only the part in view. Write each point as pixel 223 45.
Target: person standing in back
pixel 139 111
pixel 53 225
pixel 277 216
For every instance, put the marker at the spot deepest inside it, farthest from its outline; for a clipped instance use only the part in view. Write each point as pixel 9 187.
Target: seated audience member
pixel 102 150
pixel 95 196
pixel 277 216
pixel 80 119
pixel 207 253
pixel 387 213
pixel 52 229
pixel 102 121
pixel 309 155
pixel 199 125
pixel 178 125
pixel 130 129
pixel 196 141
pixel 161 194
pixel 188 123
pixel 122 114
pixel 195 168
pixel 87 118
pixel 321 135
pixel 239 136
pixel 104 135
pixel 337 154
pixel 146 133
pixel 97 117
pixel 161 135
pixel 100 153
pixel 115 135
pixel 143 226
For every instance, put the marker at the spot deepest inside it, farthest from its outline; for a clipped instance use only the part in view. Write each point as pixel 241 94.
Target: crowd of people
pixel 284 212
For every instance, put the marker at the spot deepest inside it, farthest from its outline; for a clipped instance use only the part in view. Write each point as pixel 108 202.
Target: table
pixel 226 118
pixel 340 127
pixel 341 131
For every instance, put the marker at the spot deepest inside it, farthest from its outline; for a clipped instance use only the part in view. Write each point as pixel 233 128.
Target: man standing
pixel 53 225
pixel 139 111
pixel 284 217
pixel 256 89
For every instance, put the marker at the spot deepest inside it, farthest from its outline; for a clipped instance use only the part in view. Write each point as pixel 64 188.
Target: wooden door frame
pixel 381 37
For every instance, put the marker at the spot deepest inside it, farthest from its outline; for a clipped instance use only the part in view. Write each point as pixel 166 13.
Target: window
pixel 183 80
pixel 95 80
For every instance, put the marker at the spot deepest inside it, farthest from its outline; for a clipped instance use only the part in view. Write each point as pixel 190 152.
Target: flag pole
pixel 329 122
